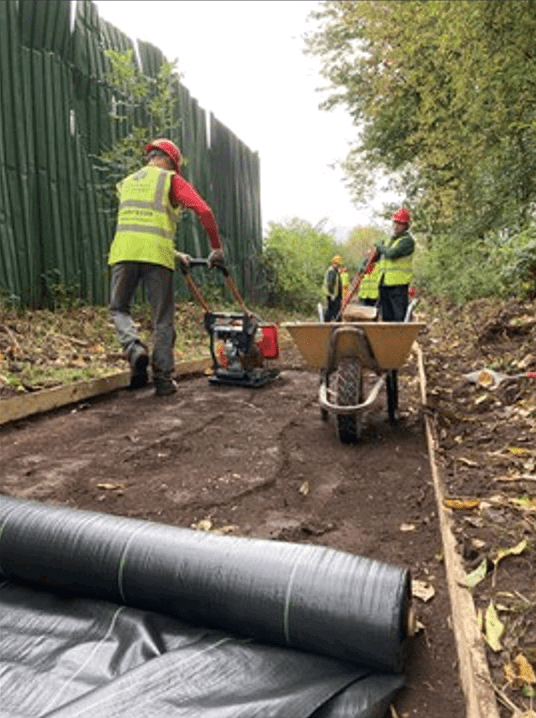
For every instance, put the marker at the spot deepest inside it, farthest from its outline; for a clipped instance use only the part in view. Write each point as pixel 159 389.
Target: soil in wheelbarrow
pixel 259 463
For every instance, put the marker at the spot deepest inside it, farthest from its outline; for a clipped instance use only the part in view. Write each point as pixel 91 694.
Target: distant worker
pixel 143 252
pixel 345 282
pixel 368 293
pixel 333 289
pixel 395 259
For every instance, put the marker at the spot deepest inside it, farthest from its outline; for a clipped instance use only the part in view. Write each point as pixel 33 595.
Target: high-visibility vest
pixel 396 271
pixel 369 287
pixel 337 286
pixel 146 221
pixel 345 282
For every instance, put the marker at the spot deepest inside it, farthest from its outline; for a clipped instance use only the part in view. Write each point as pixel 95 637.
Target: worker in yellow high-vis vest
pixel 368 293
pixel 333 289
pixel 143 252
pixel 395 259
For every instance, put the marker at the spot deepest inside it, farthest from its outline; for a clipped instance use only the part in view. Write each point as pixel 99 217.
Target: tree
pixel 142 108
pixel 443 93
pixel 359 242
pixel 296 256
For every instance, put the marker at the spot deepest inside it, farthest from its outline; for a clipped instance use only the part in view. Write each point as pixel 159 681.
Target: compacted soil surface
pixel 262 463
pixel 259 463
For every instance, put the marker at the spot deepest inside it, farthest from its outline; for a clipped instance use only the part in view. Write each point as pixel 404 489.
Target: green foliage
pixel 296 256
pixel 60 294
pixel 142 108
pixel 443 95
pixel 359 242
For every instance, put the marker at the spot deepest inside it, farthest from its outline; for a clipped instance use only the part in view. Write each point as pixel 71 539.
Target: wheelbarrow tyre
pixel 392 394
pixel 349 392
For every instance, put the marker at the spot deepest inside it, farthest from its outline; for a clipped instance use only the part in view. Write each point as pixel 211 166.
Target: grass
pixel 42 348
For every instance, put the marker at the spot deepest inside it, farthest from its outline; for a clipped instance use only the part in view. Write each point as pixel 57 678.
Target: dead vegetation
pixel 486 446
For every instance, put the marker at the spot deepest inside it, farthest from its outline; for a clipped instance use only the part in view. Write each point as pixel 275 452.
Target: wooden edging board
pixel 473 665
pixel 20 407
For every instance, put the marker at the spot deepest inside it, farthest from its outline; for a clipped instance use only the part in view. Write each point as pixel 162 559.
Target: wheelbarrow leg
pixel 392 394
pixel 348 386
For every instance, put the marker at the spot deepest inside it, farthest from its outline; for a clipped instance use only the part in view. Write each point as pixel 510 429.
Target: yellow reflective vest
pixel 369 288
pixel 146 221
pixel 397 271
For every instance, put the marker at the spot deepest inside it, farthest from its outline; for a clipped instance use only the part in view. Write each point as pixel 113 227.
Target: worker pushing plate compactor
pixel 239 342
pixel 111 616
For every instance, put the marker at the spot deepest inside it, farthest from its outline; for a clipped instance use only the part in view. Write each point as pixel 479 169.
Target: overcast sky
pixel 243 60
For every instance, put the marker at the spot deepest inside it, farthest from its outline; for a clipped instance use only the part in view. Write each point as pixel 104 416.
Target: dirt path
pixel 257 463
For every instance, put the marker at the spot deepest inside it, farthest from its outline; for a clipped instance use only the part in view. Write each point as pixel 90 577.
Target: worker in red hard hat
pixel 143 252
pixel 395 259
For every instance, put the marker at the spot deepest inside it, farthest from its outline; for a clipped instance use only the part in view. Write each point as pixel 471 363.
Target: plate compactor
pixel 239 342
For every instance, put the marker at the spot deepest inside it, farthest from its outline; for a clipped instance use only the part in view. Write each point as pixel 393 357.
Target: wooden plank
pixel 473 665
pixel 20 407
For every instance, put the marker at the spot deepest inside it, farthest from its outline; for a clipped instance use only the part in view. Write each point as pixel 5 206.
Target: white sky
pixel 243 60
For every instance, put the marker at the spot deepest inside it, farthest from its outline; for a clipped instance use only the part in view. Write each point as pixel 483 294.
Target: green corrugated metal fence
pixel 55 120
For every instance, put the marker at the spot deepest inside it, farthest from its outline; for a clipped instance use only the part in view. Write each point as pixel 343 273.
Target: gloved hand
pixel 380 247
pixel 216 259
pixel 183 259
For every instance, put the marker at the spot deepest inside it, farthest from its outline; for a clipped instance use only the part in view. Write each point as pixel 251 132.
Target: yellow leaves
pixel 493 628
pixel 519 672
pixel 461 503
pixel 208 526
pixel 111 487
pixel 519 450
pixel 304 488
pixel 422 590
pixel 481 571
pixel 514 551
pixel 479 574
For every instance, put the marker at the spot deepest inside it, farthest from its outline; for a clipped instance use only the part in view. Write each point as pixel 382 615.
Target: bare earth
pixel 257 462
pixel 262 463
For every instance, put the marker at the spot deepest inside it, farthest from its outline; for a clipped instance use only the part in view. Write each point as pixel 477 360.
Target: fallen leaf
pixel 519 450
pixel 228 529
pixel 524 669
pixel 461 503
pixel 111 487
pixel 479 574
pixel 422 590
pixel 407 527
pixel 304 488
pixel 525 502
pixel 467 462
pixel 493 628
pixel 514 551
pixel 203 525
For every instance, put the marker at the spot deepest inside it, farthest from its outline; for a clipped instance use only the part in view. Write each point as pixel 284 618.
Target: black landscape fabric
pixel 110 616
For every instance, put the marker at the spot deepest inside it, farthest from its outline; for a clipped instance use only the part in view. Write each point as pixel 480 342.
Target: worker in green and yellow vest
pixel 368 293
pixel 395 259
pixel 333 289
pixel 143 252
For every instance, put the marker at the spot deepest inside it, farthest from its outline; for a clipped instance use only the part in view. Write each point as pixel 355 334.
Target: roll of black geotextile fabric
pixel 123 617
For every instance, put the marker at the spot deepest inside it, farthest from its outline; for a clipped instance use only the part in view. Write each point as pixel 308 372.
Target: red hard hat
pixel 402 216
pixel 170 148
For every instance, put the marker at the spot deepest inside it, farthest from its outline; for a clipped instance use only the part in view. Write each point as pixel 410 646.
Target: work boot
pixel 139 359
pixel 164 387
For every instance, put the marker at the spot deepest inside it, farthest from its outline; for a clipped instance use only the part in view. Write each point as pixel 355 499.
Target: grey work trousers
pixel 158 283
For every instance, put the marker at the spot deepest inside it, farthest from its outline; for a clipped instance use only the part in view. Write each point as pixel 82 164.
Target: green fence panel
pixel 56 223
pixel 45 25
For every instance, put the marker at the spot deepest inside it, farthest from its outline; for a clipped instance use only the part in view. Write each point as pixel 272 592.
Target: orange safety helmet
pixel 337 259
pixel 402 216
pixel 169 148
